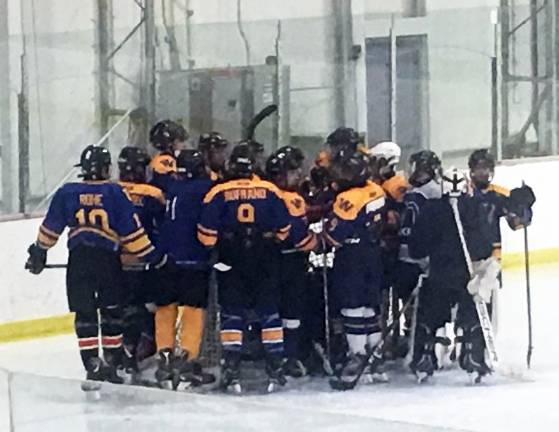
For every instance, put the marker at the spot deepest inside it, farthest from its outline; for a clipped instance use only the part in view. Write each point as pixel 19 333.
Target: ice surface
pixel 45 393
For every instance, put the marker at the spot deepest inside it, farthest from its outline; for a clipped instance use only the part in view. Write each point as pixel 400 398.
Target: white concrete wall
pixel 25 296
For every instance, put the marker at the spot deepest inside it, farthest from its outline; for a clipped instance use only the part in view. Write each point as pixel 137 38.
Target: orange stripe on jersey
pixel 131 237
pixel 231 337
pixel 144 190
pixel 207 240
pixel 348 204
pixel 308 243
pixel 145 251
pixel 46 241
pixel 499 189
pixel 206 231
pixel 283 233
pixel 138 245
pixel 75 231
pixel 272 335
pixel 48 232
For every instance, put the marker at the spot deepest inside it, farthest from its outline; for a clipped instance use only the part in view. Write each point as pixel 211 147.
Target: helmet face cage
pixel 350 168
pixel 425 166
pixel 482 168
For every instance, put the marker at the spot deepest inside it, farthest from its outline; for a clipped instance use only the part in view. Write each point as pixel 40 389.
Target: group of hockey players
pixel 303 259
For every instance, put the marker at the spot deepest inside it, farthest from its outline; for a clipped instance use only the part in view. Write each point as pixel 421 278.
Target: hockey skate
pixel 189 373
pixel 294 368
pixel 231 375
pixel 164 372
pixel 374 370
pixel 94 375
pixel 472 360
pixel 274 370
pixel 129 368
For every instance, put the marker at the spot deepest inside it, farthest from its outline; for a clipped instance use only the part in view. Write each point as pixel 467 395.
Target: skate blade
pixel 339 385
pixel 165 385
pixel 235 389
pixel 422 377
pixel 376 378
pixel 90 386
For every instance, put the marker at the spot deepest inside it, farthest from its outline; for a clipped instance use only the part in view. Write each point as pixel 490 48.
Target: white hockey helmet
pixel 388 150
pixel 454 182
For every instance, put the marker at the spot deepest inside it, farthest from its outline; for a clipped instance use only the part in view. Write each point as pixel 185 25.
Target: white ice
pixel 42 392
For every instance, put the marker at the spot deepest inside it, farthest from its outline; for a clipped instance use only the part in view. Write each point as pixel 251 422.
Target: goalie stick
pixel 376 354
pixel 481 307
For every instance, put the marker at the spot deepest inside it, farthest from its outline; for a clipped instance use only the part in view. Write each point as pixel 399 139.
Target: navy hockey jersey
pixel 234 204
pixel 98 214
pixel 179 230
pixel 149 203
pixel 357 214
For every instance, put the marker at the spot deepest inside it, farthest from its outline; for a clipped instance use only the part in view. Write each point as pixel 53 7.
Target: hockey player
pixel 284 169
pixel 385 157
pixel 138 291
pixel 514 205
pixel 167 137
pixel 187 286
pixel 425 182
pixel 213 147
pixel 243 217
pixel 102 221
pixel 435 235
pixel 353 229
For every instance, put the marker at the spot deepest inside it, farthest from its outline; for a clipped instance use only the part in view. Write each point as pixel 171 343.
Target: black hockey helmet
pixel 481 157
pixel 164 133
pixel 350 167
pixel 95 162
pixel 425 166
pixel 210 141
pixel 343 137
pixel 190 163
pixel 241 162
pixel 132 164
pixel 284 159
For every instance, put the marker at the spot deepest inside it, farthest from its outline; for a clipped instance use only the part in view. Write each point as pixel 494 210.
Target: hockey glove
pixel 37 259
pixel 519 206
pixel 484 279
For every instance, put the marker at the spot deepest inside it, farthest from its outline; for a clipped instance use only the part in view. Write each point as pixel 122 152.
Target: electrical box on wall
pixel 226 99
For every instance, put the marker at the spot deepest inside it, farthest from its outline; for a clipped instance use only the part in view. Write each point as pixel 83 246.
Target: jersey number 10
pixel 94 217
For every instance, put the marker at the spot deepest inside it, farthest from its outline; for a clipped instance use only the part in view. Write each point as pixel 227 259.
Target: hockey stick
pixel 481 307
pixel 50 266
pixel 258 118
pixel 375 356
pixel 528 296
pixel 326 305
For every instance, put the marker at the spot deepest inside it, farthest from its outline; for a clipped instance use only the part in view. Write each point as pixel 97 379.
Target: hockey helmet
pixel 211 141
pixel 190 163
pixel 95 162
pixel 481 157
pixel 425 166
pixel 350 167
pixel 132 163
pixel 387 150
pixel 241 161
pixel 343 137
pixel 164 133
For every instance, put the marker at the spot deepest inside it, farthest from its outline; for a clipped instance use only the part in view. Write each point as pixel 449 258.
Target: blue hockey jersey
pixel 98 214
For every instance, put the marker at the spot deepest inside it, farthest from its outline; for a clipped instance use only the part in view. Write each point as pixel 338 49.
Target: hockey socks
pixel 192 329
pixel 165 321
